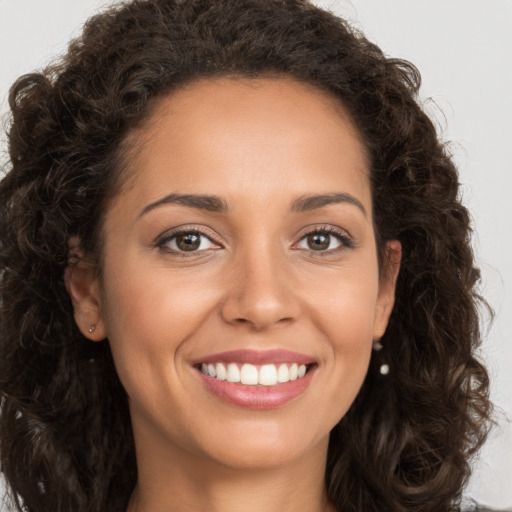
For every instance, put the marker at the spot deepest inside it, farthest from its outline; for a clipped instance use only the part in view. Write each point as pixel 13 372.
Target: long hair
pixel 65 436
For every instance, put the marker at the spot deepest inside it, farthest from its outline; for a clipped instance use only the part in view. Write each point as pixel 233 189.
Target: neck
pixel 182 481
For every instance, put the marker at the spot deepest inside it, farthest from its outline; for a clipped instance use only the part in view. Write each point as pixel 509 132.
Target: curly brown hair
pixel 65 435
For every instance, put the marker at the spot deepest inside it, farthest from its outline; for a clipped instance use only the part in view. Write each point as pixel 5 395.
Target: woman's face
pixel 242 243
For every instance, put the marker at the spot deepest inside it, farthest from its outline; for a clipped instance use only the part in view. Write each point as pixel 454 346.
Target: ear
pixel 387 286
pixel 82 283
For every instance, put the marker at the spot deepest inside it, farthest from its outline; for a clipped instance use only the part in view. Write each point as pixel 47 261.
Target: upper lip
pixel 256 357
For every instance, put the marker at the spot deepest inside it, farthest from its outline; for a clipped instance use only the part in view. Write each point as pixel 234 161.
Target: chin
pixel 260 457
pixel 264 448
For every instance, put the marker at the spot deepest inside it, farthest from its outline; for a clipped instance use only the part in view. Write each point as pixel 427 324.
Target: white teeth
pixel 233 374
pixel 248 374
pixel 268 375
pixel 283 374
pixel 220 369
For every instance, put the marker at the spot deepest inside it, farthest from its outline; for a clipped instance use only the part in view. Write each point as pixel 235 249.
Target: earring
pixel 91 329
pixel 383 368
pixel 377 346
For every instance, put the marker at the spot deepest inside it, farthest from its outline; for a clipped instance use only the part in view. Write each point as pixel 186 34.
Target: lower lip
pixel 257 397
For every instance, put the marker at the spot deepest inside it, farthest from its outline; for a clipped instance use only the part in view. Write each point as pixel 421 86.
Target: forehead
pixel 221 135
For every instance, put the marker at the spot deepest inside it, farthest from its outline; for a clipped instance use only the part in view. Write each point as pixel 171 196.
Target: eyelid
pixel 164 238
pixel 346 240
pixel 342 235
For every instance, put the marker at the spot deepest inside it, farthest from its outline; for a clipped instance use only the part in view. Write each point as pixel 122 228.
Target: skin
pixel 254 283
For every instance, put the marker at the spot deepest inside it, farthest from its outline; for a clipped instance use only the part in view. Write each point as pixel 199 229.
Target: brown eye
pixel 188 241
pixel 319 241
pixel 324 240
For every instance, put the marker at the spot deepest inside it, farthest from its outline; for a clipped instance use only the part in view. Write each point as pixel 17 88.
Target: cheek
pixel 344 311
pixel 349 324
pixel 148 318
pixel 344 305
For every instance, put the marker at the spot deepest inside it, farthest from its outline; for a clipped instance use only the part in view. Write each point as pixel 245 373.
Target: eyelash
pixel 346 241
pixel 162 242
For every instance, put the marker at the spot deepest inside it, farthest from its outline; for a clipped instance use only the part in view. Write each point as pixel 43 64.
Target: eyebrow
pixel 202 202
pixel 216 204
pixel 306 203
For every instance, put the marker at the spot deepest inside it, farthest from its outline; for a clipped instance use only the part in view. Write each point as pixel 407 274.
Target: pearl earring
pixel 384 369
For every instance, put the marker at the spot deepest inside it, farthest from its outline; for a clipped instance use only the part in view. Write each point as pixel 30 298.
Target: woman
pixel 236 273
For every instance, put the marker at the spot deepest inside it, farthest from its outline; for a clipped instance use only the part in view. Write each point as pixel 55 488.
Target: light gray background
pixel 463 48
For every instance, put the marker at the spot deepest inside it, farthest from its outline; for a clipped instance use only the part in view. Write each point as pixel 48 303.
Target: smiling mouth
pixel 264 379
pixel 253 375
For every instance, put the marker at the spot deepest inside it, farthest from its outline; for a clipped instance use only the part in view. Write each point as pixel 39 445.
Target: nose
pixel 260 291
